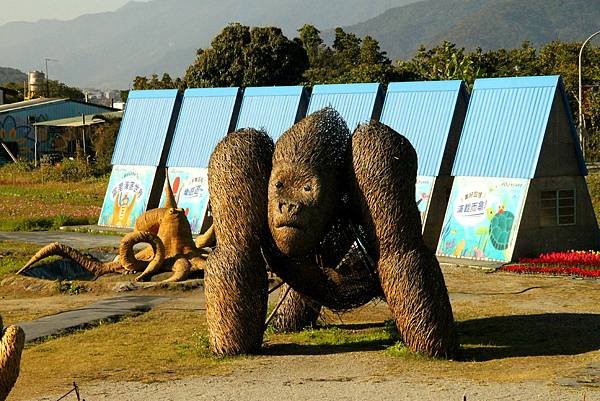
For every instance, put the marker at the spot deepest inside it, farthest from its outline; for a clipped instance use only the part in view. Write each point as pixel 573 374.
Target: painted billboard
pixel 127 195
pixel 190 187
pixel 482 218
pixel 423 191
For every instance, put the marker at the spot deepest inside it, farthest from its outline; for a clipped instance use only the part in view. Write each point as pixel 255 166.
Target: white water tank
pixel 37 84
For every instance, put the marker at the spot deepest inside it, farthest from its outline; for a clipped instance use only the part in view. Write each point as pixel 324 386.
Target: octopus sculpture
pixel 12 340
pixel 334 216
pixel 172 247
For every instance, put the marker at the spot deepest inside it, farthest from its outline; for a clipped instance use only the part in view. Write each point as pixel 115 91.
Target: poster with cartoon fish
pixel 190 187
pixel 482 218
pixel 127 195
pixel 423 191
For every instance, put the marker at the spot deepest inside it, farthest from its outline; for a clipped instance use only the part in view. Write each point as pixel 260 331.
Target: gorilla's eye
pixel 307 187
pixel 279 185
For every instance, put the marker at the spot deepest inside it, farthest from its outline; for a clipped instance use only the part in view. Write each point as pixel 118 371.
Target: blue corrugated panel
pixel 144 127
pixel 273 109
pixel 505 126
pixel 354 102
pixel 205 117
pixel 423 112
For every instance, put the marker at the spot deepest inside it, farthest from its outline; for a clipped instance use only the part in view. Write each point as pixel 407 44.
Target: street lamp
pixel 47 78
pixel 580 128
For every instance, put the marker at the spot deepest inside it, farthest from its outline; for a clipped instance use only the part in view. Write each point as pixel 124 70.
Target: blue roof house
pixel 205 117
pixel 431 115
pixel 139 156
pixel 18 121
pixel 519 187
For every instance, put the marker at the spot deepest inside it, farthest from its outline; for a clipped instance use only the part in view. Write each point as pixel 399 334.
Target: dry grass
pixel 161 345
pixel 512 329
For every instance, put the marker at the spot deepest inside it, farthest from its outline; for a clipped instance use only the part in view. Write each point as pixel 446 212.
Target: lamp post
pixel 580 127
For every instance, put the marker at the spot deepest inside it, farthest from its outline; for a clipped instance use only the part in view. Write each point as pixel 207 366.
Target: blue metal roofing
pixel 273 109
pixel 505 127
pixel 204 118
pixel 423 112
pixel 355 102
pixel 144 127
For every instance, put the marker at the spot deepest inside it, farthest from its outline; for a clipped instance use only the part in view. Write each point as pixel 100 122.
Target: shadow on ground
pixel 529 335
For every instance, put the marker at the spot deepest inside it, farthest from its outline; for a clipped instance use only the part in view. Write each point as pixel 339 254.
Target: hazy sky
pixel 33 10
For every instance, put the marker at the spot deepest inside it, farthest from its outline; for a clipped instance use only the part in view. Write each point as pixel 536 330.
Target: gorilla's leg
pixel 235 273
pixel 296 311
pixel 384 166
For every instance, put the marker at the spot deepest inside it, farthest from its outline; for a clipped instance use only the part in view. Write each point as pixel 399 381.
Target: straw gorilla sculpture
pixel 334 216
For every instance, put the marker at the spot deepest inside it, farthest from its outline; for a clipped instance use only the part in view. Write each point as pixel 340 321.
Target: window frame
pixel 553 200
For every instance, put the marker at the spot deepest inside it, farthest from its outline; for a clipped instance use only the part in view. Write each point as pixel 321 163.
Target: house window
pixel 557 207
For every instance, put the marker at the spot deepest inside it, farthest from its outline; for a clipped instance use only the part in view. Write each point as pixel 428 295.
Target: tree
pixel 59 89
pixel 166 82
pixel 240 56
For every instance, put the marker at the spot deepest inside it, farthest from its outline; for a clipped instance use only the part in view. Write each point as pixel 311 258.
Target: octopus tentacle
pixel 89 263
pixel 127 255
pixel 181 269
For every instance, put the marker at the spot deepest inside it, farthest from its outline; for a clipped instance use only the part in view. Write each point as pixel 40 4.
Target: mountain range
pixel 107 50
pixel 489 24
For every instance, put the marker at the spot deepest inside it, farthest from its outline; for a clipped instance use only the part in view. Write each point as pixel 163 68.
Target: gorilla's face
pixel 300 206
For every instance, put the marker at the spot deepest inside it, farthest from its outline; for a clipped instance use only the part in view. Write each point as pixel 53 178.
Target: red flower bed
pixel 571 258
pixel 556 270
pixel 572 263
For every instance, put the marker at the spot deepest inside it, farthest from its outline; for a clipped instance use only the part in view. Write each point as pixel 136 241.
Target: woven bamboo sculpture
pixel 343 228
pixel 12 340
pixel 172 247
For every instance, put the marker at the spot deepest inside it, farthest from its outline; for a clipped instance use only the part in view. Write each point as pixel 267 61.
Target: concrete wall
pixel 533 238
pixel 558 157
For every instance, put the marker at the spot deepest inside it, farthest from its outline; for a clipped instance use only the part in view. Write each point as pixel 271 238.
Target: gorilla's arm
pixel 383 167
pixel 235 273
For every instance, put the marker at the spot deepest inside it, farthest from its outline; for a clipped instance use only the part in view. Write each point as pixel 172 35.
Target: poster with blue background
pixel 190 187
pixel 127 195
pixel 423 191
pixel 482 218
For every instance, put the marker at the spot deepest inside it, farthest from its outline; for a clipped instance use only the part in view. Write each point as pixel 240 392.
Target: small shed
pixel 356 103
pixel 273 109
pixel 205 117
pixel 138 160
pixel 519 187
pixel 431 115
pixel 17 121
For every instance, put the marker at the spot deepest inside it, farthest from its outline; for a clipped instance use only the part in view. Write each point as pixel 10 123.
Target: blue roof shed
pixel 519 187
pixel 206 116
pixel 146 128
pixel 356 103
pixel 17 119
pixel 274 109
pixel 424 113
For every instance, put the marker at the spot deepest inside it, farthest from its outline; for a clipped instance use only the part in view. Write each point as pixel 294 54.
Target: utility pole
pixel 47 78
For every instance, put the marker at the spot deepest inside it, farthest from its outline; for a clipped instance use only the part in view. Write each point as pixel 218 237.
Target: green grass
pixel 36 206
pixel 13 255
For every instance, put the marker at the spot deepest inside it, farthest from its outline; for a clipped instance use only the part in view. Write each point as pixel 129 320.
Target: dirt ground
pixel 523 338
